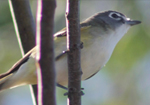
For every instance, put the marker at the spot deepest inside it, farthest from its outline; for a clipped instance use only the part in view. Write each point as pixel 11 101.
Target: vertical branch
pixel 25 28
pixel 45 56
pixel 25 23
pixel 73 46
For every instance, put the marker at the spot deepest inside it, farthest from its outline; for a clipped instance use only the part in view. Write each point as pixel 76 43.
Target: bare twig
pixel 45 56
pixel 73 46
pixel 24 27
pixel 25 23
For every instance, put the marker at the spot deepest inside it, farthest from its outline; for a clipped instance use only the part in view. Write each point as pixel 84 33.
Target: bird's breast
pixel 93 58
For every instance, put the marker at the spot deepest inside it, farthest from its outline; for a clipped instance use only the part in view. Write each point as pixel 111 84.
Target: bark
pixel 45 42
pixel 74 47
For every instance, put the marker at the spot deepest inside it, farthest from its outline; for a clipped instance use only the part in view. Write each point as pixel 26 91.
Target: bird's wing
pixel 61 33
pixel 16 66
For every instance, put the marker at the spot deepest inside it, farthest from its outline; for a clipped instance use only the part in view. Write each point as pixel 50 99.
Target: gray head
pixel 109 26
pixel 110 19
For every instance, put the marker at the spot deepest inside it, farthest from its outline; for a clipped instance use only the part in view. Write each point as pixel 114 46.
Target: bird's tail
pixel 5 83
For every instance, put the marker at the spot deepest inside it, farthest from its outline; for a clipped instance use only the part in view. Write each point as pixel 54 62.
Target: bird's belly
pixel 91 62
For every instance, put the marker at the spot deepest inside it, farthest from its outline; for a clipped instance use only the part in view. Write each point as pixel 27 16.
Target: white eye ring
pixel 118 16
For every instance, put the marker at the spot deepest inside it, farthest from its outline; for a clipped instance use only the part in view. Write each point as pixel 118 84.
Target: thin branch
pixel 24 27
pixel 25 23
pixel 45 56
pixel 73 46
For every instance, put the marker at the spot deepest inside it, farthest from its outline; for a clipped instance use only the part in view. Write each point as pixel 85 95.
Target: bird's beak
pixel 133 22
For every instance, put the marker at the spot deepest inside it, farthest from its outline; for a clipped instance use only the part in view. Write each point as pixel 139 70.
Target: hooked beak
pixel 133 22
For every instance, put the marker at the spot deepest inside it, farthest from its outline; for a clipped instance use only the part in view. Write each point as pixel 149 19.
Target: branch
pixel 45 56
pixel 25 23
pixel 24 27
pixel 73 46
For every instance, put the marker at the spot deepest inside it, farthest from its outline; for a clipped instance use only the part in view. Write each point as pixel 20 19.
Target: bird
pixel 100 34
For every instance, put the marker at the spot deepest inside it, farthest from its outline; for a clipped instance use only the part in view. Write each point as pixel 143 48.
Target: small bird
pixel 100 34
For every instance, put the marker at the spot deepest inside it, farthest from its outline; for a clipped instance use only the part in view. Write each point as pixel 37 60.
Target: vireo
pixel 99 33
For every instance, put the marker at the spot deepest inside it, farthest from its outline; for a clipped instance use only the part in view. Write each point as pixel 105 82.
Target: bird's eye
pixel 115 16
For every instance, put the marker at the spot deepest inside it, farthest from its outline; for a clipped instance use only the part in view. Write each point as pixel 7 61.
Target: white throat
pixel 101 50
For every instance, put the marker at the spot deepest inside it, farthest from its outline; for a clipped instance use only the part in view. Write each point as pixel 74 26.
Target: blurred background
pixel 125 79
